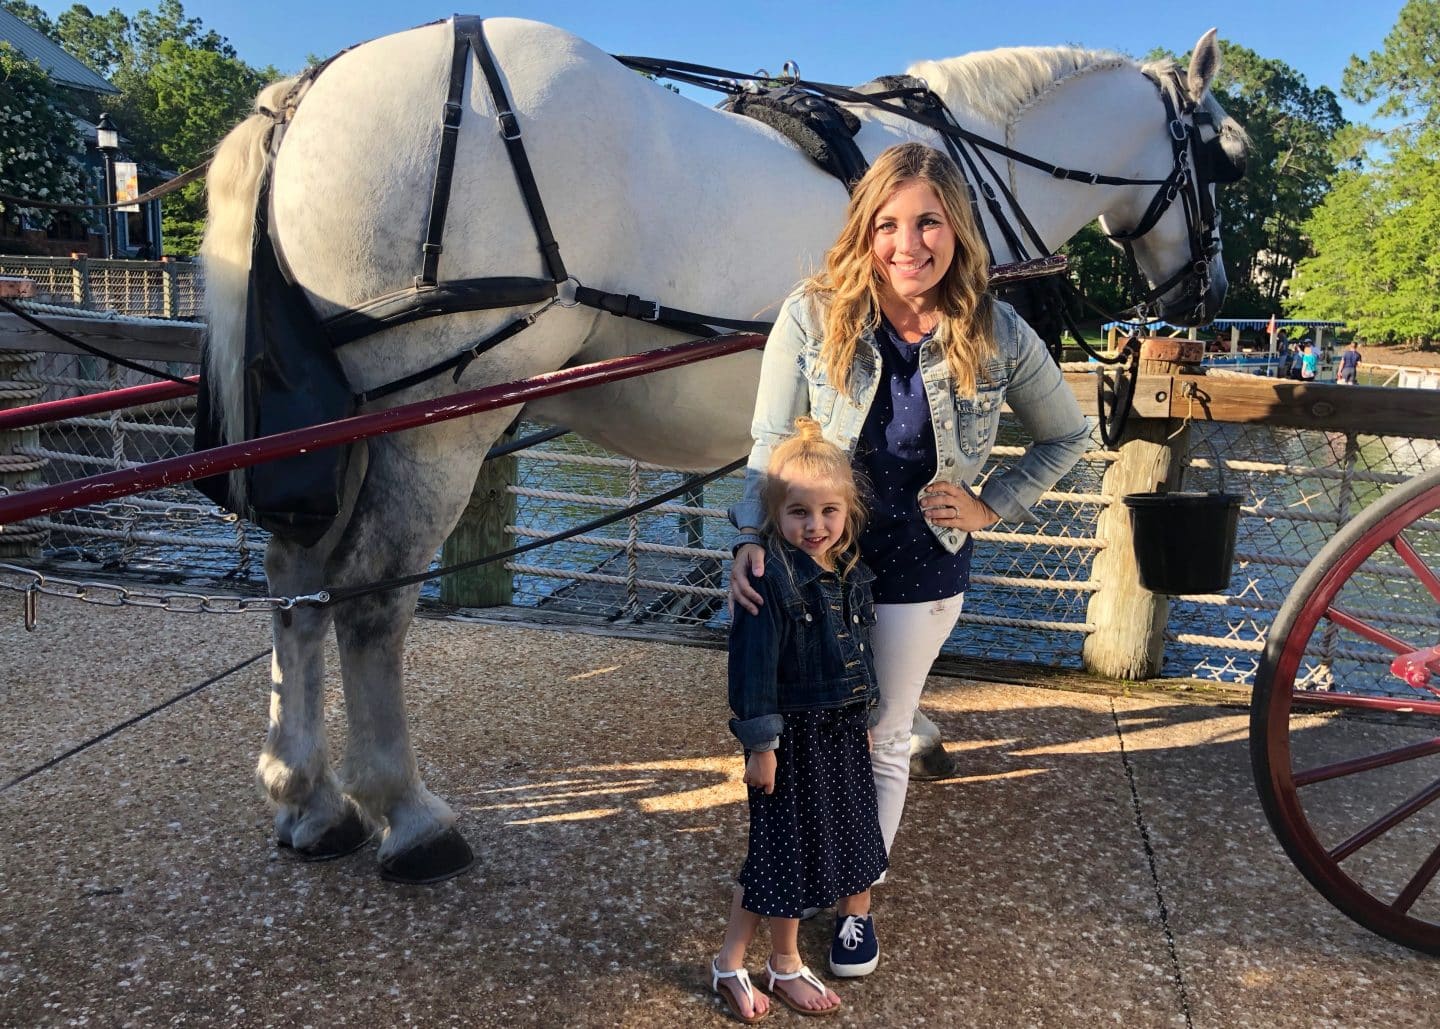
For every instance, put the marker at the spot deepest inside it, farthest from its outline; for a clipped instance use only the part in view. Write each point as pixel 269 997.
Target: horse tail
pixel 233 185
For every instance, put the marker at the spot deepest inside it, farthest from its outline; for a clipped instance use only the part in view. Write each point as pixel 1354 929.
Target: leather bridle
pixel 1198 165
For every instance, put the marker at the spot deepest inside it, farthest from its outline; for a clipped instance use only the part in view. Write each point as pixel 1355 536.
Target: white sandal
pixel 808 977
pixel 742 979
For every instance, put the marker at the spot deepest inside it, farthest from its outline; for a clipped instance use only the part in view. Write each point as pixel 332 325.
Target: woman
pixel 904 359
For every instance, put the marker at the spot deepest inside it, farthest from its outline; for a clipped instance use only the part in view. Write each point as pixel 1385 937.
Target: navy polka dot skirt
pixel 817 837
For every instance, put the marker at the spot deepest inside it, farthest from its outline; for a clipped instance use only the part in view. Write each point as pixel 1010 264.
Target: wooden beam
pixel 11 287
pixel 152 341
pixel 1152 394
pixel 1322 406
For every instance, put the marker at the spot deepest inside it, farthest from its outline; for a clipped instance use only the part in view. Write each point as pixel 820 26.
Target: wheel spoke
pixel 1384 759
pixel 1368 631
pixel 1417 564
pixel 1387 822
pixel 1322 700
pixel 1416 886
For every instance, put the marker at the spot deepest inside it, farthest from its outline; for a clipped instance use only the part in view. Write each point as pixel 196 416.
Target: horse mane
pixel 1000 85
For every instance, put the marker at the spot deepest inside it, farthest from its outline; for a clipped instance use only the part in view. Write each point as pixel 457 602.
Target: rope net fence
pixel 1031 584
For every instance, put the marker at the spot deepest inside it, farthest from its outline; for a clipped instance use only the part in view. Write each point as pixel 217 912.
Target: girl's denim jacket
pixel 793 382
pixel 807 649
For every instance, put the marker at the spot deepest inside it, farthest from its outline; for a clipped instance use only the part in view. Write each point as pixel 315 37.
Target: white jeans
pixel 907 639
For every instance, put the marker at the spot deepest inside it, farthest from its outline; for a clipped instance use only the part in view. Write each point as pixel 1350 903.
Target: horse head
pixel 1172 236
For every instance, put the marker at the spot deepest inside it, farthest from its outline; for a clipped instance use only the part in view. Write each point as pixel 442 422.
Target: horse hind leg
pixel 413 495
pixel 312 814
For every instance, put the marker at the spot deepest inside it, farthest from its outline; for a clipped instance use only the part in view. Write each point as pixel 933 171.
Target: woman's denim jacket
pixel 793 383
pixel 807 649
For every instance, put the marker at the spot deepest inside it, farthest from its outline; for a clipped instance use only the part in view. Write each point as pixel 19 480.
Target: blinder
pixel 1212 162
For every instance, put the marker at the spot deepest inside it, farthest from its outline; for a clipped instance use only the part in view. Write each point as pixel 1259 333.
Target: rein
pixel 923 106
pixel 170 186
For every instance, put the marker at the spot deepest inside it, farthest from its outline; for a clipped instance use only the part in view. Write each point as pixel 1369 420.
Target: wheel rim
pixel 1325 739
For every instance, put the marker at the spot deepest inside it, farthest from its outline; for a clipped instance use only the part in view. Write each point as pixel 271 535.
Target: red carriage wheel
pixel 1345 718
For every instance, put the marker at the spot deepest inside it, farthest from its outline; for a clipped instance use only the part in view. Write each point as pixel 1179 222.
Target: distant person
pixel 802 690
pixel 1309 363
pixel 1349 364
pixel 1287 359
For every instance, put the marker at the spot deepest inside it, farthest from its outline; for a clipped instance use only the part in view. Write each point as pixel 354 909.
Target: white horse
pixel 648 193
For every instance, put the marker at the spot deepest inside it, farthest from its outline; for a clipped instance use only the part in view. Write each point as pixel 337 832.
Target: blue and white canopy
pixel 1233 323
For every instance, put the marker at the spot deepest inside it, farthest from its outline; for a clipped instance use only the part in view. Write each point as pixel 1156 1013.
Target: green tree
pixel 182 87
pixel 40 148
pixel 1377 242
pixel 1402 75
pixel 1377 236
pixel 1292 129
pixel 1098 269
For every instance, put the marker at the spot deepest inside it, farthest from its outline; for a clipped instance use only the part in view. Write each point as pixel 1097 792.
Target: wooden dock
pixel 614 601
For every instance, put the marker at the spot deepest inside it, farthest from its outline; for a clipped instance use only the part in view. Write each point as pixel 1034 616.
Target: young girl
pixel 802 685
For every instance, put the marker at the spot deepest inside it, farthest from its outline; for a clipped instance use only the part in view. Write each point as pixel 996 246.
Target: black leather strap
pixel 410 305
pixel 628 305
pixel 433 246
pixel 473 29
pixel 458 363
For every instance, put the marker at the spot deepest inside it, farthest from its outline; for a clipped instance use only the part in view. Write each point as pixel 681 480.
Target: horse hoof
pixel 433 861
pixel 931 764
pixel 339 840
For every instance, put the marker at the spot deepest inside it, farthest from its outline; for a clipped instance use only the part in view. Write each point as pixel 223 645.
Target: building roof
pixel 63 68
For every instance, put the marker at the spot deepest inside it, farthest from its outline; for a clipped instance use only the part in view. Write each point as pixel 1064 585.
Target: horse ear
pixel 1204 64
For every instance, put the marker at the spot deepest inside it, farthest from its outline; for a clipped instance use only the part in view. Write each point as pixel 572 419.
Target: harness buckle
pixel 1179 131
pixel 452 115
pixel 636 307
pixel 509 126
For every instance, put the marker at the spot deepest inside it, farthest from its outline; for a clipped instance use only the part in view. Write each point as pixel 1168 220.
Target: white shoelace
pixel 852 931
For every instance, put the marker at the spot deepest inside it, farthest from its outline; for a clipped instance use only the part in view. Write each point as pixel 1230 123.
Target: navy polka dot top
pixel 896 454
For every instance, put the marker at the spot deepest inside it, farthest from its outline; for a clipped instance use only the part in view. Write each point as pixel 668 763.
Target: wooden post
pixel 693 526
pixel 167 288
pixel 79 280
pixel 481 531
pixel 1129 637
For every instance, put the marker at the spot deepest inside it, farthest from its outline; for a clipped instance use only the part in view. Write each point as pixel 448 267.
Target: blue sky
pixel 847 41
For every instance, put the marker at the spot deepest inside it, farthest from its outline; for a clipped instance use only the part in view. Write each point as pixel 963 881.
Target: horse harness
pixel 429 296
pixel 289 384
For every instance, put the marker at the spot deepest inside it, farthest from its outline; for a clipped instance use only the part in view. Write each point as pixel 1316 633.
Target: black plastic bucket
pixel 1184 542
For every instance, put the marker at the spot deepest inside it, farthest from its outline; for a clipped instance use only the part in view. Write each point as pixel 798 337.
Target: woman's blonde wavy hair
pixel 851 282
pixel 808 457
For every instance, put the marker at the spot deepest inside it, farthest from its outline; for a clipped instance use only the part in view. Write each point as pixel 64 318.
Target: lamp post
pixel 107 141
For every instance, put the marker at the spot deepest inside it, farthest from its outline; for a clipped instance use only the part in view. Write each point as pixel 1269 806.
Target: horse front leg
pixel 312 814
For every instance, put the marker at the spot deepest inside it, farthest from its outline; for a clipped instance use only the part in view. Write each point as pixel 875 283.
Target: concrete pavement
pixel 1100 860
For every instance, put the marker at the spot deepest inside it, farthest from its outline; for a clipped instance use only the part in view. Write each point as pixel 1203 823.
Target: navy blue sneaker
pixel 855 950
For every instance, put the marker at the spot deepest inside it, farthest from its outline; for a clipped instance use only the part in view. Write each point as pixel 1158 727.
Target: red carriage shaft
pixel 218 460
pixel 96 403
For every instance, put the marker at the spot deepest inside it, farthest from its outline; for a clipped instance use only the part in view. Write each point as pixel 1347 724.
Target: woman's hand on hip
pixel 954 507
pixel 749 560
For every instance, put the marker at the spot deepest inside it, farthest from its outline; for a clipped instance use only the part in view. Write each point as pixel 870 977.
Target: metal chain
pixel 108 594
